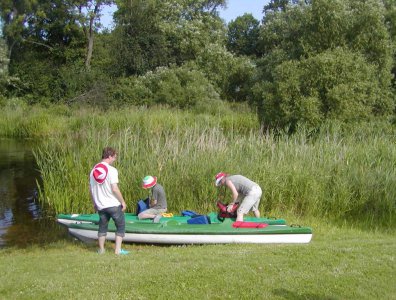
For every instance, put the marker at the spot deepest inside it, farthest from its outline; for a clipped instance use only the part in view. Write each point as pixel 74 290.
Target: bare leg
pixel 101 242
pixel 146 216
pixel 239 217
pixel 118 243
pixel 257 213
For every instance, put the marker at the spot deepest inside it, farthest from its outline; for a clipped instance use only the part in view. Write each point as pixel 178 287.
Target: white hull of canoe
pixel 87 235
pixel 67 221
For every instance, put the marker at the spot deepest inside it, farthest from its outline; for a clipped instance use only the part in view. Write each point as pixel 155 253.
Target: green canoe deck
pixel 175 227
pixel 132 218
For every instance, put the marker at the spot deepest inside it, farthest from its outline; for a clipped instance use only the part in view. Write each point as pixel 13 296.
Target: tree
pixel 282 31
pixel 191 25
pixel 47 27
pixel 243 35
pixel 390 20
pixel 89 14
pixel 276 6
pixel 308 29
pixel 231 75
pixel 14 15
pixel 176 86
pixel 4 61
pixel 336 84
pixel 156 33
pixel 342 46
pixel 138 43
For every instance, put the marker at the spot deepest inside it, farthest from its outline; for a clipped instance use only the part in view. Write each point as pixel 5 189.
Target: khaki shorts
pixel 251 201
pixel 153 211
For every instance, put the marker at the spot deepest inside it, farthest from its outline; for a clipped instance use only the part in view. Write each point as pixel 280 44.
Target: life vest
pixel 223 213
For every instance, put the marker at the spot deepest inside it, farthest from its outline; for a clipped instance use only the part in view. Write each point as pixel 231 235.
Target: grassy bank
pixel 338 181
pixel 337 264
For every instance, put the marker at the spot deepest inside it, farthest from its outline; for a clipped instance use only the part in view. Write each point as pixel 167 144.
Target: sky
pixel 235 8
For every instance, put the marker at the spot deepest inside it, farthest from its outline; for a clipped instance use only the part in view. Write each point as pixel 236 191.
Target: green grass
pixel 339 181
pixel 339 263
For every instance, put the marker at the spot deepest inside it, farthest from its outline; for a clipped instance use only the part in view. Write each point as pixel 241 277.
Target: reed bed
pixel 342 175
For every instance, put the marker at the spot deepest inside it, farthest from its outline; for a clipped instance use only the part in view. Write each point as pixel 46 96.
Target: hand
pixel 229 207
pixel 123 206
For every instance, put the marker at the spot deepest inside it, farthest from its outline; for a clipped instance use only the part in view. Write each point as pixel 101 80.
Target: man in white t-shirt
pixel 107 199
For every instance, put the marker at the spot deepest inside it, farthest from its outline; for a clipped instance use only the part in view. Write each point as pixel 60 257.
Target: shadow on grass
pixel 286 294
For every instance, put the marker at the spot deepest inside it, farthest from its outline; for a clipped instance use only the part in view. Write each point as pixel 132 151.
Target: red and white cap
pixel 99 173
pixel 149 181
pixel 219 177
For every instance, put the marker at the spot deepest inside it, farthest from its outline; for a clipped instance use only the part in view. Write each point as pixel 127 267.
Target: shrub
pixel 180 87
pixel 336 84
pixel 231 75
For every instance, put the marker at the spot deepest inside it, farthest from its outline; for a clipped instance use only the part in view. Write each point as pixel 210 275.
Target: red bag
pixel 242 224
pixel 223 213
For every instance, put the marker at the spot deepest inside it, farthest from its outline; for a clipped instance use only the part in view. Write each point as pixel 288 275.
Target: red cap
pixel 219 177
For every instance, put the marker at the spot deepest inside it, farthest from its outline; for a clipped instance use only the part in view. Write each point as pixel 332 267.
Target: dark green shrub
pixel 335 84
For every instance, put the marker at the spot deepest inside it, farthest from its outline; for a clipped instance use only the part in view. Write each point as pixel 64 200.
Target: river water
pixel 22 220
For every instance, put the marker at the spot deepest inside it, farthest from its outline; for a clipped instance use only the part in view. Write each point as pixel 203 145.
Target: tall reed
pixel 343 175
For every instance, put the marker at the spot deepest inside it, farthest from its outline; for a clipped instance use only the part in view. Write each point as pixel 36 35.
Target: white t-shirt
pixel 101 186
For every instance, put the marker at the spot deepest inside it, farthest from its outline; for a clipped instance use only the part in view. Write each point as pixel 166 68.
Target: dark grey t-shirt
pixel 158 193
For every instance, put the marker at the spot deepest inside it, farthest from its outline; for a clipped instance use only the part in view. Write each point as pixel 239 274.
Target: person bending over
pixel 243 190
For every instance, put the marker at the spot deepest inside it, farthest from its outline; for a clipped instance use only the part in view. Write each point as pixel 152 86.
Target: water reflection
pixel 22 221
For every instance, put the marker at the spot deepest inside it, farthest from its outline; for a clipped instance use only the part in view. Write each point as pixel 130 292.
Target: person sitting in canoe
pixel 243 190
pixel 157 197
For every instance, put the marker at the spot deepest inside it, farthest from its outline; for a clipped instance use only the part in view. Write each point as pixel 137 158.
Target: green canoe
pixel 132 218
pixel 174 232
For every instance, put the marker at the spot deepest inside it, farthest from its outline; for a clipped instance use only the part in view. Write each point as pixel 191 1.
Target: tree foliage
pixel 231 75
pixel 307 61
pixel 155 33
pixel 325 59
pixel 335 84
pixel 276 6
pixel 390 21
pixel 88 12
pixel 243 35
pixel 50 42
pixel 4 61
pixel 138 43
pixel 175 86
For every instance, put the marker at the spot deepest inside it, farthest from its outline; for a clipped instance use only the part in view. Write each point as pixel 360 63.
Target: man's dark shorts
pixel 117 215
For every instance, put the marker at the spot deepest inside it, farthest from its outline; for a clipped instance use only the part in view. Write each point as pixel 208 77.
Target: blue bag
pixel 142 205
pixel 189 213
pixel 199 220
